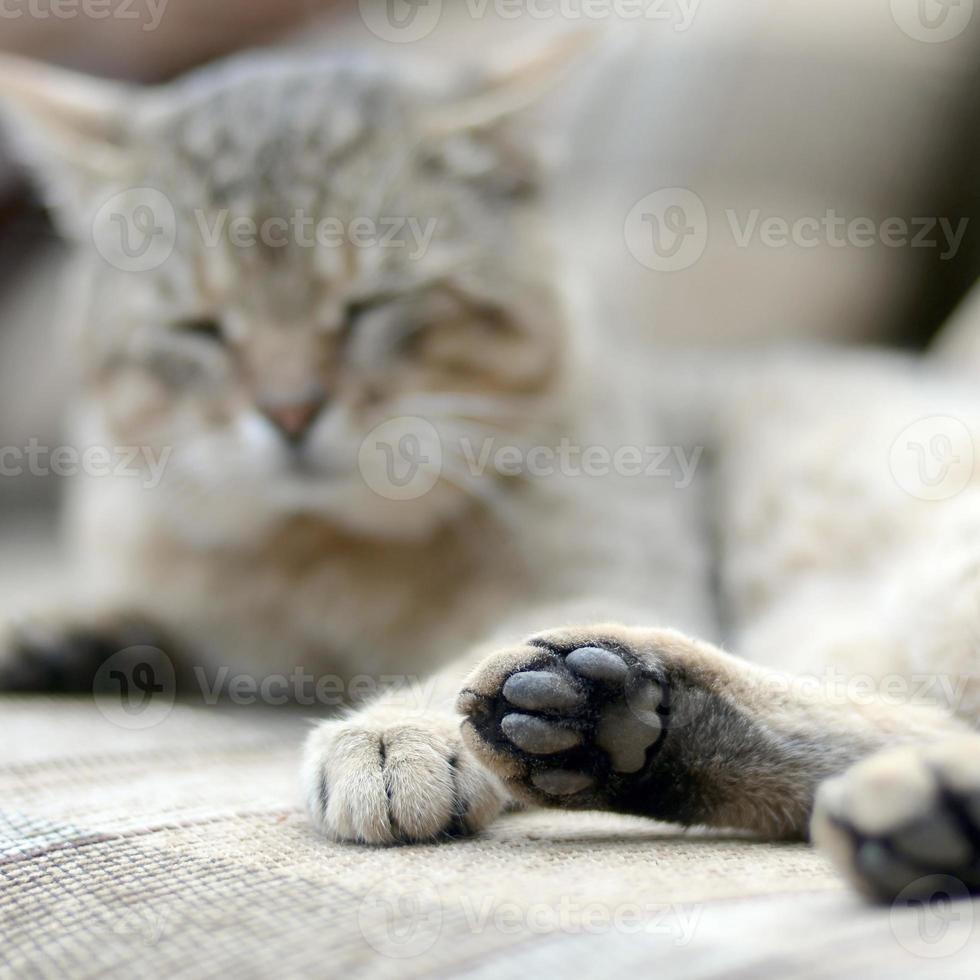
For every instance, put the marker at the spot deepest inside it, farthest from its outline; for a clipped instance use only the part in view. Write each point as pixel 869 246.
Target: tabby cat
pixel 404 451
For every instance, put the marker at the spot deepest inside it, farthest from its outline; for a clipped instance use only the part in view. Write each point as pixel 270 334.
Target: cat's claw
pixel 383 778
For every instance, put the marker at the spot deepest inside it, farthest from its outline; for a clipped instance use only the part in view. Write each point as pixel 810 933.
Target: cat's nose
pixel 293 419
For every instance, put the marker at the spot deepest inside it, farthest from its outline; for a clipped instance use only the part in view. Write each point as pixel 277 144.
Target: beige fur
pixel 248 560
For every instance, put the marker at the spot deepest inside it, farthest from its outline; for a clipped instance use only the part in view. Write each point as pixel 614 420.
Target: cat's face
pixel 338 261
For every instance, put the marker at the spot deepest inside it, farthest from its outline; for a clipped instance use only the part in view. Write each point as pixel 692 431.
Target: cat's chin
pixel 350 507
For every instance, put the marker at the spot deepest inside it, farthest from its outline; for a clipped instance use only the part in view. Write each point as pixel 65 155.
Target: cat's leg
pixel 906 820
pixel 649 722
pixel 835 518
pixel 399 768
pixel 64 651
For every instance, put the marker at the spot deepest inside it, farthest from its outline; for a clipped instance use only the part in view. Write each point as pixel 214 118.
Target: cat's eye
pixel 357 309
pixel 207 328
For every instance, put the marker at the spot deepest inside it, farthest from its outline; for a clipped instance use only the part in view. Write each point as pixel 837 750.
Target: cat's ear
pixel 515 80
pixel 70 130
pixel 495 97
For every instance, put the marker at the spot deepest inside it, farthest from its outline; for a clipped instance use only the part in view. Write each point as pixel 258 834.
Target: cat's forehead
pixel 294 186
pixel 279 94
pixel 276 122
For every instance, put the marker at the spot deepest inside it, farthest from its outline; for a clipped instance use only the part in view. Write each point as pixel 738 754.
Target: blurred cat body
pixel 269 552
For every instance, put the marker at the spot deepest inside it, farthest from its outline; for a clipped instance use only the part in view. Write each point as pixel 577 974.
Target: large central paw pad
pixel 566 726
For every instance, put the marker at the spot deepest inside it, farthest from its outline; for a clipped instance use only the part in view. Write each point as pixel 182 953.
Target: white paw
pixel 381 777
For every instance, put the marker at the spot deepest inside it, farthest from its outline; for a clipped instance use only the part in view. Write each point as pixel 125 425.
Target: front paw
pixel 381 777
pixel 903 818
pixel 572 719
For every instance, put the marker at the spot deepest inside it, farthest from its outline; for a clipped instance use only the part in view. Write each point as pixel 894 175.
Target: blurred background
pixel 765 115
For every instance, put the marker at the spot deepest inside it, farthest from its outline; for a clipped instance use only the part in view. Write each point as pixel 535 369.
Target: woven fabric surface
pixel 182 850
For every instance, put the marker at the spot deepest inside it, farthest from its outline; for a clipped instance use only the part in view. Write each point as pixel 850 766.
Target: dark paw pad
pixel 583 725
